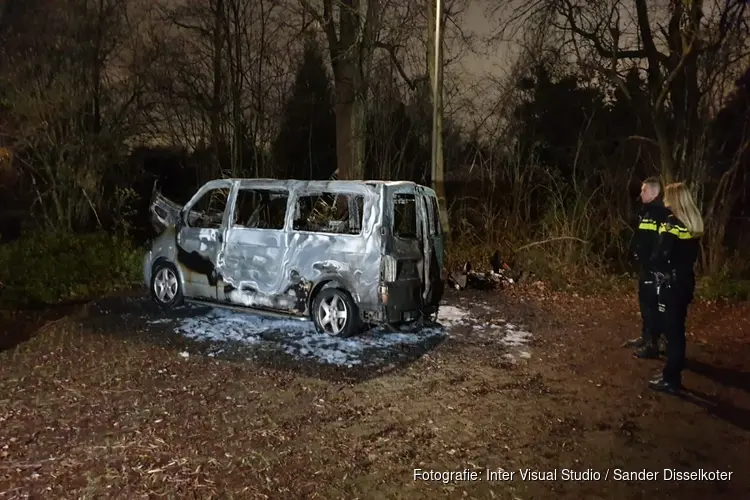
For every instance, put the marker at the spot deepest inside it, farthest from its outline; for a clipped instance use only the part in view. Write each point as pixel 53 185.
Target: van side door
pixel 198 238
pixel 327 239
pixel 255 247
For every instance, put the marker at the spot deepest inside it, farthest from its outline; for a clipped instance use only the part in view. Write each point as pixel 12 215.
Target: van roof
pixel 337 182
pixel 390 183
pixel 375 182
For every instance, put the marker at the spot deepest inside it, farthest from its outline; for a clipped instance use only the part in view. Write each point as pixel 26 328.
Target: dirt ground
pixel 86 414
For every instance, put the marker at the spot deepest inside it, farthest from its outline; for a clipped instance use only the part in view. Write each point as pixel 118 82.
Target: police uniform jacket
pixel 676 253
pixel 651 216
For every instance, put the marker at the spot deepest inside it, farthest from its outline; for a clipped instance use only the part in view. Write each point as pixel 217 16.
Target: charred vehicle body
pixel 343 253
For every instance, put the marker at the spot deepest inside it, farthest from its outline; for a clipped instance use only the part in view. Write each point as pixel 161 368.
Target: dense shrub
pixel 725 284
pixel 51 267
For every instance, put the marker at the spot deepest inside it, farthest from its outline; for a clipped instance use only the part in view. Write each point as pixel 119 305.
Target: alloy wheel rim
pixel 333 314
pixel 165 285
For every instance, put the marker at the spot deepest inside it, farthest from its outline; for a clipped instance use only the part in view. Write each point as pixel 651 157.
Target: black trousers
pixel 675 300
pixel 648 300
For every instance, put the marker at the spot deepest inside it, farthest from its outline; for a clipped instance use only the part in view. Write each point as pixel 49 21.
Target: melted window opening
pixel 208 211
pixel 260 209
pixel 326 212
pixel 405 216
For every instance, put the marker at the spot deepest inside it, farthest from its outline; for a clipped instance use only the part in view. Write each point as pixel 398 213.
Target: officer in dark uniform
pixel 674 259
pixel 650 217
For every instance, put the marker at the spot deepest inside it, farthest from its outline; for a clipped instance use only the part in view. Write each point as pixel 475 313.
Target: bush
pixel 724 285
pixel 50 267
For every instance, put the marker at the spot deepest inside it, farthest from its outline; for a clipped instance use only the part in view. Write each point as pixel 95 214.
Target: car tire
pixel 165 288
pixel 335 301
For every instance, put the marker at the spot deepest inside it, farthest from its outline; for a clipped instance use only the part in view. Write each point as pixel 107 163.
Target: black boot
pixel 662 346
pixel 647 352
pixel 636 343
pixel 661 385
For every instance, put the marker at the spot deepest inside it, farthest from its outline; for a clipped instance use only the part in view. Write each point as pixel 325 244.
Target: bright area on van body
pixel 268 270
pixel 222 327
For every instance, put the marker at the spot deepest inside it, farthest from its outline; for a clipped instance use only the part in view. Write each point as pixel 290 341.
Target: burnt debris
pixel 497 277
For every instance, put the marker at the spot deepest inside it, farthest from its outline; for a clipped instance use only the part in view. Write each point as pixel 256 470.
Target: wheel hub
pixel 333 315
pixel 165 285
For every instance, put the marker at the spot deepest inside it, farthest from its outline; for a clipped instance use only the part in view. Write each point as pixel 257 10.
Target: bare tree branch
pixel 391 49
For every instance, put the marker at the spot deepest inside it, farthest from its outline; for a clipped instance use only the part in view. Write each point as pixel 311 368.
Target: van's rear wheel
pixel 335 313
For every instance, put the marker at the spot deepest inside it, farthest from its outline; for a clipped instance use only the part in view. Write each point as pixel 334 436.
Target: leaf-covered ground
pixel 85 413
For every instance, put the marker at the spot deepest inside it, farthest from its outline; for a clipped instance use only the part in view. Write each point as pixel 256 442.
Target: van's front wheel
pixel 335 313
pixel 165 285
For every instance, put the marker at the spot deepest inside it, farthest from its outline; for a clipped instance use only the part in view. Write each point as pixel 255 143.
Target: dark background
pixel 553 185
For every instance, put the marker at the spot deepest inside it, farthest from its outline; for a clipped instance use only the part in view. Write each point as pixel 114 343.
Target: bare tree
pixel 392 129
pixel 225 70
pixel 689 51
pixel 267 72
pixel 68 104
pixel 351 42
pixel 195 42
pixel 669 44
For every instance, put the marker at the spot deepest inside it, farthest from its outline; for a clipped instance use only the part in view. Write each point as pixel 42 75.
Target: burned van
pixel 343 253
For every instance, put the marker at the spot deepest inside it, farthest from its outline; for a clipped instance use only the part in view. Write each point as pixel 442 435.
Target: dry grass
pixel 85 415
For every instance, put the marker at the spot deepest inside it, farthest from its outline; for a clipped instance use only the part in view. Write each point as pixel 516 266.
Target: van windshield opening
pixel 404 216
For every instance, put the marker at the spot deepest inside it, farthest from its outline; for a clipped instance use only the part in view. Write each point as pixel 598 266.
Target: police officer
pixel 674 259
pixel 650 217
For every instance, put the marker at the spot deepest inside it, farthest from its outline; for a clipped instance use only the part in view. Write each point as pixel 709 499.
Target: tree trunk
pixel 351 53
pixel 358 135
pixel 666 150
pixel 344 110
pixel 234 30
pixel 259 167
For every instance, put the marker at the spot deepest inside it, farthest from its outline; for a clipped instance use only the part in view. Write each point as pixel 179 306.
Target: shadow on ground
pixel 288 344
pixel 728 377
pixel 19 325
pixel 720 408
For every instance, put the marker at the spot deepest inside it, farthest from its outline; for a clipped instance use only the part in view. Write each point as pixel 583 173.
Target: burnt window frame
pixel 405 194
pixel 193 207
pixel 267 189
pixel 312 193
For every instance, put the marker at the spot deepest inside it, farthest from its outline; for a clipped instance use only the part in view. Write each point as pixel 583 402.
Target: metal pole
pixel 437 85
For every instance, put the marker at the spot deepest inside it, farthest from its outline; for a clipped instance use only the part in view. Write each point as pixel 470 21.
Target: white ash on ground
pixel 222 332
pixel 299 338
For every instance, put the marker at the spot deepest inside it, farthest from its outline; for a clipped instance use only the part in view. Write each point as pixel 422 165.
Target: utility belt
pixel 673 276
pixel 663 282
pixel 656 278
pixel 666 282
pixel 661 278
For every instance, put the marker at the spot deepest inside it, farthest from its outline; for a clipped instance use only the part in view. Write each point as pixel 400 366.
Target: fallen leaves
pixel 88 415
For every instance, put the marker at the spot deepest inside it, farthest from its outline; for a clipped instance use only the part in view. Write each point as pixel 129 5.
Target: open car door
pixel 164 212
pixel 432 247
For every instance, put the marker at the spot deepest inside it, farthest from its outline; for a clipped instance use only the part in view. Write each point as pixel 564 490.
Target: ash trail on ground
pixel 233 335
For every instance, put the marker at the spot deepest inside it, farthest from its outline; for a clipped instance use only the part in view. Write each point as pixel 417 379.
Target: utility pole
pixel 436 76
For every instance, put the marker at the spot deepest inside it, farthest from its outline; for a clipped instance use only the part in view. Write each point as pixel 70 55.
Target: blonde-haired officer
pixel 674 260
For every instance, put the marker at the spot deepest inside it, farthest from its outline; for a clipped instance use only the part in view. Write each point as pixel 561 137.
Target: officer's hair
pixel 653 182
pixel 679 200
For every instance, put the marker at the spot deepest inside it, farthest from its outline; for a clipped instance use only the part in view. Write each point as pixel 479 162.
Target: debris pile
pixel 497 277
